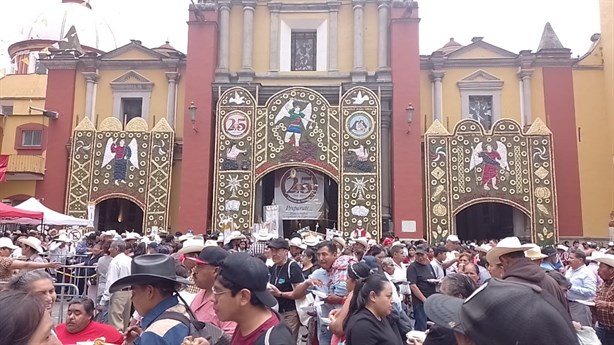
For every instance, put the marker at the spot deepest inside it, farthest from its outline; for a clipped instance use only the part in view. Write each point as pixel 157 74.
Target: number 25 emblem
pixel 236 125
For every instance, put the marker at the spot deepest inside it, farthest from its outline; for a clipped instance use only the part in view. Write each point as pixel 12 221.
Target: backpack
pixel 280 335
pixel 213 334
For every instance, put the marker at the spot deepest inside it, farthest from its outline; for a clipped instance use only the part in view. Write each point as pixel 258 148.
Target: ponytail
pixel 360 297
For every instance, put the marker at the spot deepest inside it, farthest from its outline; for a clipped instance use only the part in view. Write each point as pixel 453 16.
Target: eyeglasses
pixel 218 293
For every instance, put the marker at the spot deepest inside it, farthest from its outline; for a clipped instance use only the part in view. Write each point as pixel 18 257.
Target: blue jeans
pixel 419 317
pixel 606 336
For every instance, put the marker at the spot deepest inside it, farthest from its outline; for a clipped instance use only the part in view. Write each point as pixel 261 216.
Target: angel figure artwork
pixel 492 160
pixel 120 153
pixel 299 113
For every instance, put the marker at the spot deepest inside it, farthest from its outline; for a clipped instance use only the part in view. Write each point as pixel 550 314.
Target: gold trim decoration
pixel 134 164
pixel 505 165
pixel 110 124
pixel 437 128
pixel 297 127
pixel 538 128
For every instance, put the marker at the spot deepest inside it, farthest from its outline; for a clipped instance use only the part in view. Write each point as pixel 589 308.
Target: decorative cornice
pixel 437 74
pixel 173 76
pixel 91 77
pixel 131 80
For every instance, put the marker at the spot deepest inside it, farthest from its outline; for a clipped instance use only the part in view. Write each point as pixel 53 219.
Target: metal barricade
pixel 67 292
pixel 83 277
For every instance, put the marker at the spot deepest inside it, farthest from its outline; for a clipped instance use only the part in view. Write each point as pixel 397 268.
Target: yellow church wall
pixel 538 106
pixel 159 93
pixel 10 188
pixel 10 131
pixel 596 170
pixel 262 42
pixel 180 109
pixel 371 41
pixel 236 38
pixel 345 46
pixel 510 93
pixel 173 211
pixel 606 9
pixel 79 102
pixel 426 101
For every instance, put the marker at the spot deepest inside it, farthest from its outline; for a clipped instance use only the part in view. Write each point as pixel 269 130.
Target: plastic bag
pixel 587 336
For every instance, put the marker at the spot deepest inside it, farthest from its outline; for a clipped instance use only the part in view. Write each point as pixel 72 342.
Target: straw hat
pixel 311 241
pixel 339 240
pixel 62 238
pixel 6 242
pixel 506 246
pixel 363 241
pixel 535 253
pixel 193 245
pixel 297 242
pixel 263 234
pixel 33 243
pixel 607 259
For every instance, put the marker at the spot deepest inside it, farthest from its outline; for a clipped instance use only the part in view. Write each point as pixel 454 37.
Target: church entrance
pixel 306 199
pixel 491 220
pixel 118 214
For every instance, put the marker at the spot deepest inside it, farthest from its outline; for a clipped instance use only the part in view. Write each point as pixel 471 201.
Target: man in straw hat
pixel 510 253
pixel 604 300
pixel 190 249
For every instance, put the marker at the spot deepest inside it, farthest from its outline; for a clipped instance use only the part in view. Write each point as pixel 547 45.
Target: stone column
pixel 171 102
pixel 525 77
pixel 358 72
pixel 383 70
pixel 436 77
pixel 91 79
pixel 247 73
pixel 274 37
pixel 333 35
pixel 386 118
pixel 221 73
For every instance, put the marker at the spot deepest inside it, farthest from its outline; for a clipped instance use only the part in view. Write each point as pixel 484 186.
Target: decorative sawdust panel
pixel 113 162
pixel 360 199
pixel 299 128
pixel 471 166
pixel 234 164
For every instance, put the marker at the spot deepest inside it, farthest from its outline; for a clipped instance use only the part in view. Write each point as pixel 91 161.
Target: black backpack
pixel 198 329
pixel 276 335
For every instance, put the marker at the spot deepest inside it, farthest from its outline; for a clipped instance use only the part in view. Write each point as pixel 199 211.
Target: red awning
pixel 10 214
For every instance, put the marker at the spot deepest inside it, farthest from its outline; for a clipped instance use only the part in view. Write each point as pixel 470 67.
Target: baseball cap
pixel 213 256
pixel 248 273
pixel 279 243
pixel 504 313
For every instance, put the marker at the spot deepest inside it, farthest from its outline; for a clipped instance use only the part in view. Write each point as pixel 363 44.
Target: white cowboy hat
pixel 193 245
pixel 363 241
pixel 296 242
pixel 263 234
pixel 33 243
pixel 210 243
pixel 595 255
pixel 132 236
pixel 185 237
pixel 311 241
pixel 62 238
pixel 535 253
pixel 562 247
pixel 483 248
pixel 452 238
pixel 220 238
pixel 6 242
pixel 505 246
pixel 607 259
pixel 112 233
pixel 339 240
pixel 236 235
pixel 398 243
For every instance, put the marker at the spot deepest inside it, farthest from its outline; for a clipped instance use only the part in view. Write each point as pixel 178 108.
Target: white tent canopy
pixel 50 217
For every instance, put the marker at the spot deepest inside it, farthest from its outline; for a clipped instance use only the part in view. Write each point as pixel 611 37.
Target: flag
pixel 26 60
pixel 4 164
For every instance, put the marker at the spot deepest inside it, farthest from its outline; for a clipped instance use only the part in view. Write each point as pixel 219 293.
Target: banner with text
pixel 272 220
pixel 299 192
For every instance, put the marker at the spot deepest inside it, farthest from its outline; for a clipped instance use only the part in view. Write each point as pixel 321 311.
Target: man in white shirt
pixel 439 255
pixel 119 302
pixel 583 287
pixel 400 269
pixel 452 244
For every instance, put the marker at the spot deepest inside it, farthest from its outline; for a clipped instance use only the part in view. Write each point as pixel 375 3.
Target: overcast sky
pixel 510 24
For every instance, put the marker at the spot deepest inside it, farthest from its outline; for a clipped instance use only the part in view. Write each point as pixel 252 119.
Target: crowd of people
pixel 259 289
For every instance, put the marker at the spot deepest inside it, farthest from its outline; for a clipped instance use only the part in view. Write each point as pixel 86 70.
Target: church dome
pixel 54 23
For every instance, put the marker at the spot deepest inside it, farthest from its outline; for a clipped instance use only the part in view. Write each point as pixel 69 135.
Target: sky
pixel 513 25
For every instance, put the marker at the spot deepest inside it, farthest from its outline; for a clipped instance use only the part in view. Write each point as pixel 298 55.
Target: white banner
pixel 91 211
pixel 299 192
pixel 272 220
